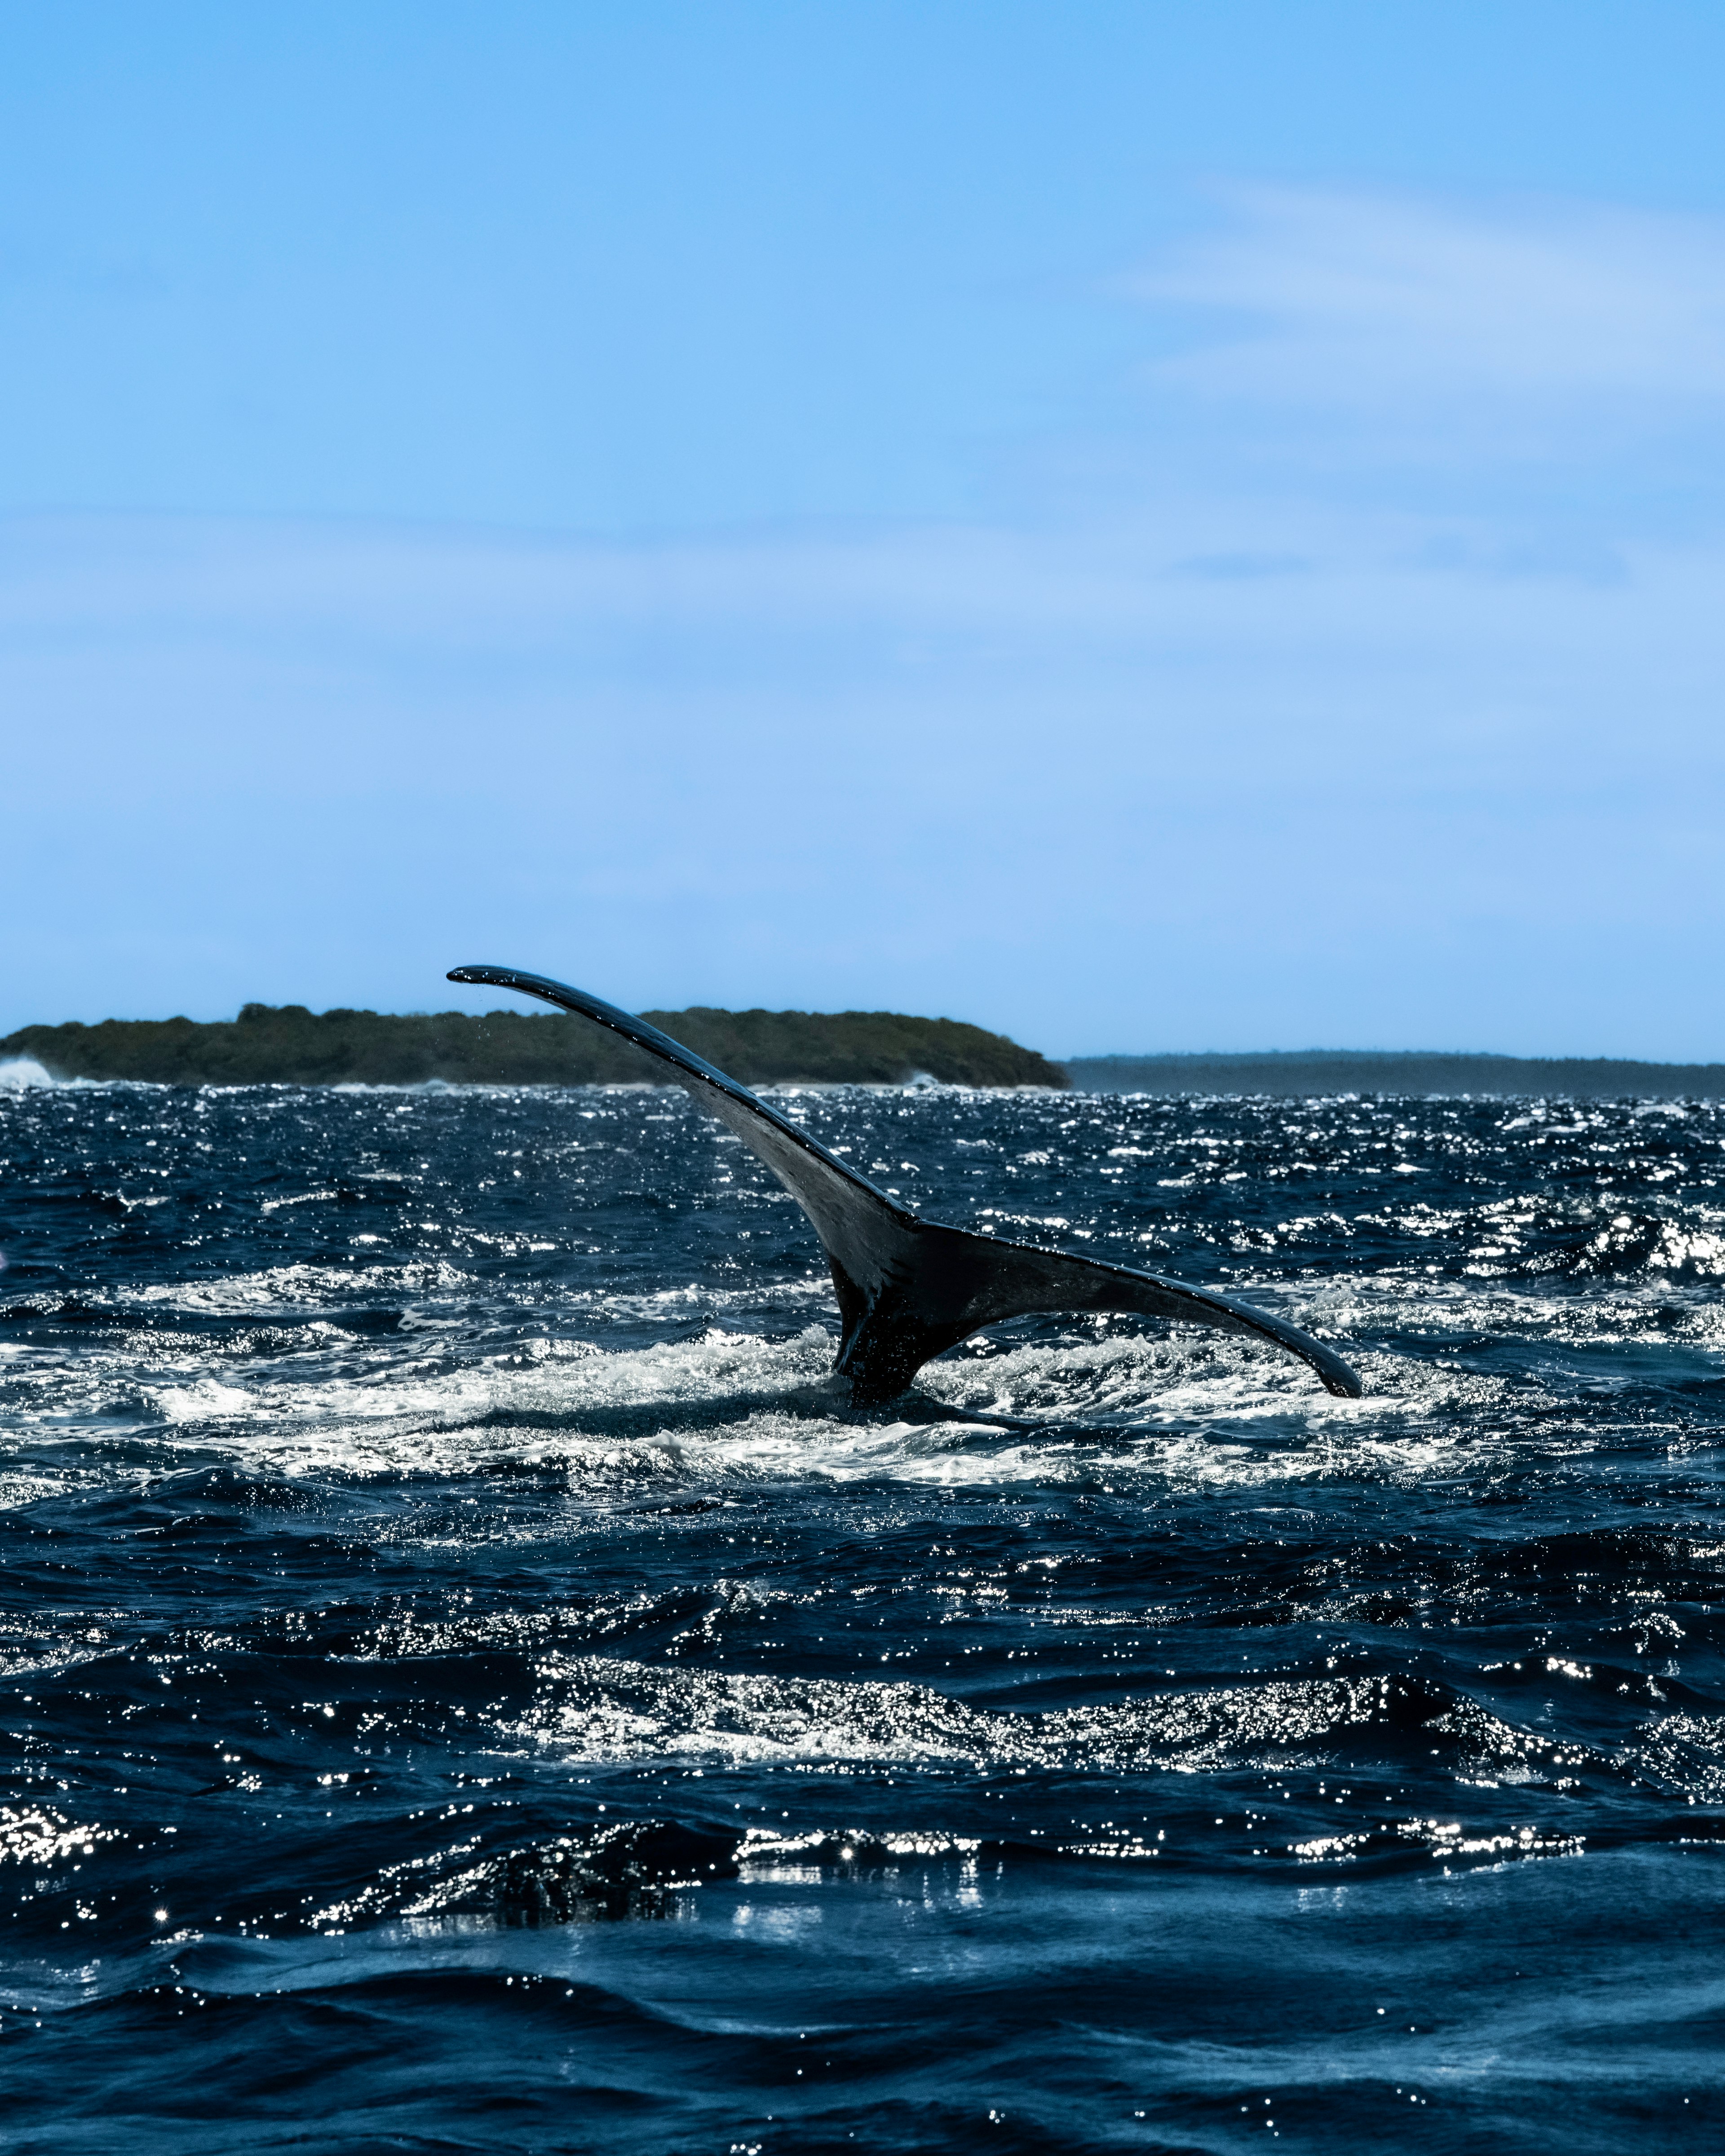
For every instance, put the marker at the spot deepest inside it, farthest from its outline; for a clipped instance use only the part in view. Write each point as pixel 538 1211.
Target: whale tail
pixel 909 1288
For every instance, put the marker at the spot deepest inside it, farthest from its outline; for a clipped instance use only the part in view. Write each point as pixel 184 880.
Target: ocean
pixel 471 1683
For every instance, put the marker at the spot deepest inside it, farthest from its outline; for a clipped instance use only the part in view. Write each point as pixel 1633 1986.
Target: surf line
pixel 910 1288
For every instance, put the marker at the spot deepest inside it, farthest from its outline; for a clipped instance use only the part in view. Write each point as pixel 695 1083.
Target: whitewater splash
pixel 18 1073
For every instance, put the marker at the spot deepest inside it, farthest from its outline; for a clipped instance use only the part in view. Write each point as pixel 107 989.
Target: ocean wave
pixel 454 1609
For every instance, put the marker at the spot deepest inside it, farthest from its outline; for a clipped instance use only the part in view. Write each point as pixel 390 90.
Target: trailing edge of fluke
pixel 909 1288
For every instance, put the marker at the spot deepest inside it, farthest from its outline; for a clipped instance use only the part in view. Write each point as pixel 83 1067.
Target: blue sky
pixel 1148 527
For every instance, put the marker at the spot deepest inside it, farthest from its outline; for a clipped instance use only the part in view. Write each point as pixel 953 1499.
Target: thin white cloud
pixel 1360 298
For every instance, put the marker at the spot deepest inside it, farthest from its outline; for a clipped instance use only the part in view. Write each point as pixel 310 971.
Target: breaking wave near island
pixel 472 1678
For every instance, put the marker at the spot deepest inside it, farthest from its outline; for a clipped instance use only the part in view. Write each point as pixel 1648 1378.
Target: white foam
pixel 725 1406
pixel 594 1708
pixel 730 1407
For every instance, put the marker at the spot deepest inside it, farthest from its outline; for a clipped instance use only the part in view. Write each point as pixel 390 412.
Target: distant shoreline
pixel 1299 1073
pixel 289 1045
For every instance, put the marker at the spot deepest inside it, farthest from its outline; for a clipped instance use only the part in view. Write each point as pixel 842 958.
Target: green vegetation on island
pixel 288 1043
pixel 1292 1073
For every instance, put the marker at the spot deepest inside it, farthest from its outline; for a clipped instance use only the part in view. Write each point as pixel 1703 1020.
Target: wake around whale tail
pixel 909 1288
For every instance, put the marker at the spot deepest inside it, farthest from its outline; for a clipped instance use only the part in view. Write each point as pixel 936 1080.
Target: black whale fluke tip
pixel 909 1287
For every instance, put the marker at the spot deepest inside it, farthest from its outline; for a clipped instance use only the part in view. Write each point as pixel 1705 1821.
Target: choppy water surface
pixel 470 1684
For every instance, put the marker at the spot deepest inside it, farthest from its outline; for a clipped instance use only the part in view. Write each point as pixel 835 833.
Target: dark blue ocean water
pixel 469 1684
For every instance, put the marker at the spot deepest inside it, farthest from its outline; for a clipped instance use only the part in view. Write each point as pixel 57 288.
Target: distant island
pixel 286 1044
pixel 1296 1073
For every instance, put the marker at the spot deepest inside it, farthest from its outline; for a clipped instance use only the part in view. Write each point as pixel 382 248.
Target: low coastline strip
pixel 1311 1073
pixel 289 1045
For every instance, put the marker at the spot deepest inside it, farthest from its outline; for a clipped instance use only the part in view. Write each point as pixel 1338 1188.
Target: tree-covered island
pixel 287 1044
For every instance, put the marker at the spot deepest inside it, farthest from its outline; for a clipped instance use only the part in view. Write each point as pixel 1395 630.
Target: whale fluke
pixel 909 1288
